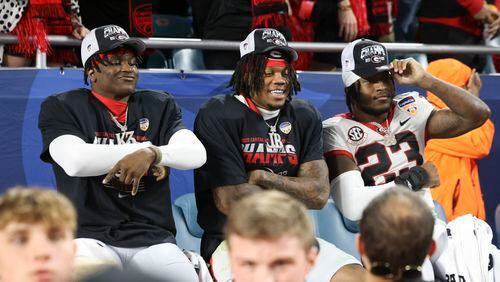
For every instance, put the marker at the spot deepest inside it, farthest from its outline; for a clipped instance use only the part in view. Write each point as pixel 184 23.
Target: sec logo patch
pixel 356 135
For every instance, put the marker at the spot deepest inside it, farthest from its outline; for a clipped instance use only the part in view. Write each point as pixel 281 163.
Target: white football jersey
pixel 382 151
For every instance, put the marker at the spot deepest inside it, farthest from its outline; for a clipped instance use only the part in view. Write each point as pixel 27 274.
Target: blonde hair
pixel 270 215
pixel 36 205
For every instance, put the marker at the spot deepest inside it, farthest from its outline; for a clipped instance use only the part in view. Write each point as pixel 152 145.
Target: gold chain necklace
pixel 123 127
pixel 272 128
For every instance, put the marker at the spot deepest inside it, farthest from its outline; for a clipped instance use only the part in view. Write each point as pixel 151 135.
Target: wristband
pixel 157 152
pixel 415 178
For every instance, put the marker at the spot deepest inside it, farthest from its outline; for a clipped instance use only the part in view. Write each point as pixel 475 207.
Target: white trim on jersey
pixel 184 151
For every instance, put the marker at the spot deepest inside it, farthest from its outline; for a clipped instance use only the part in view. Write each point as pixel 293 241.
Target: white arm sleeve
pixel 184 151
pixel 351 196
pixel 81 159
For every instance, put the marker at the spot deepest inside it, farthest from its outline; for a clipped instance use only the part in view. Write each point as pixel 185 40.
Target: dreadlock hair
pixel 92 63
pixel 248 76
pixel 95 60
pixel 352 94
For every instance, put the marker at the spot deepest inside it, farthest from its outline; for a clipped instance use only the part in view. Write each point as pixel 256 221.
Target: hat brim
pixel 367 72
pixel 136 44
pixel 292 54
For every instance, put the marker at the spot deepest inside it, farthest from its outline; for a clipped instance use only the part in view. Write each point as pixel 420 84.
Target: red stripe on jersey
pixel 251 105
pixel 334 153
pixel 345 115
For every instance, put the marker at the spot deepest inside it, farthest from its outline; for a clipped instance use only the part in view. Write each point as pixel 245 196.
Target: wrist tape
pixel 414 178
pixel 157 152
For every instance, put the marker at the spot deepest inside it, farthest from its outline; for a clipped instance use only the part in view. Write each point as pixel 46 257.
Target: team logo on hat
pixel 373 54
pixel 275 54
pixel 356 135
pixel 286 127
pixel 89 47
pixel 144 124
pixel 114 32
pixel 274 36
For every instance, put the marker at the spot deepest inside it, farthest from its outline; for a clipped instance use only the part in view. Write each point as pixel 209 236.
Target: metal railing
pixel 193 43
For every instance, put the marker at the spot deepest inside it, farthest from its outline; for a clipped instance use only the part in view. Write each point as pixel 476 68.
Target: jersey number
pixel 384 163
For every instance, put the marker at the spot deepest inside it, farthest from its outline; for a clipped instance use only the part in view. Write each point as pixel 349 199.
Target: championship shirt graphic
pixel 272 152
pixel 117 138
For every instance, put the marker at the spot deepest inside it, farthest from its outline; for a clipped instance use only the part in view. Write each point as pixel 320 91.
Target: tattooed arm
pixel 310 186
pixel 225 196
pixel 465 112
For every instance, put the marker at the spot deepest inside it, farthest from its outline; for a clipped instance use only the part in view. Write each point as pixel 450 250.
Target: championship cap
pixel 267 40
pixel 363 58
pixel 106 38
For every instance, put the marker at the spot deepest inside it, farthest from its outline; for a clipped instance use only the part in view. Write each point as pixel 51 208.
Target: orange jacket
pixel 455 158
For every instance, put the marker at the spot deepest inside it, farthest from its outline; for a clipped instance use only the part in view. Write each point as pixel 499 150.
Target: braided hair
pixel 100 59
pixel 352 94
pixel 248 76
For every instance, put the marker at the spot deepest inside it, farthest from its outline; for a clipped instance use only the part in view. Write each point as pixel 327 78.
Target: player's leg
pixel 93 256
pixel 165 261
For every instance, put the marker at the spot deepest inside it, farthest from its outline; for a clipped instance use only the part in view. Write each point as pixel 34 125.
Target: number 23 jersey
pixel 382 151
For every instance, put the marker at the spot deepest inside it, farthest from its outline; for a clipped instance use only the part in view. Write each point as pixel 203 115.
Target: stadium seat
pixel 172 26
pixel 188 231
pixel 329 226
pixel 441 214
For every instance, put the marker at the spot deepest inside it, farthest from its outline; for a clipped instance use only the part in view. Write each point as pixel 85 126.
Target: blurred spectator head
pixel 269 234
pixel 37 228
pixel 396 234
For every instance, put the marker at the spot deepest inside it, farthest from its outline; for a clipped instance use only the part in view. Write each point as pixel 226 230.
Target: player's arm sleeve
pixel 221 140
pixel 351 196
pixel 80 159
pixel 54 120
pixel 183 151
pixel 179 147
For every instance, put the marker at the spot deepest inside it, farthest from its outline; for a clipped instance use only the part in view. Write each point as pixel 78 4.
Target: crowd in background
pixel 470 22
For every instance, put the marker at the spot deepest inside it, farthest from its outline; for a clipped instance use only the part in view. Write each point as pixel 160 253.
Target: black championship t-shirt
pixel 104 213
pixel 238 140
